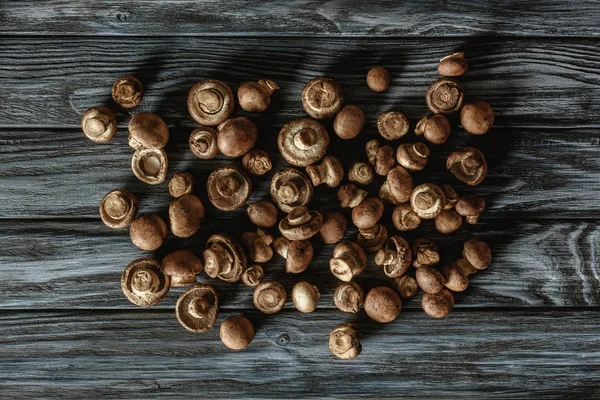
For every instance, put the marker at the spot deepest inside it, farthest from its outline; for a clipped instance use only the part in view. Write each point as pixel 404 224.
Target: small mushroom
pixel 425 252
pixel 330 172
pixel 398 186
pixel 99 124
pixel 445 96
pixel 430 280
pixel 144 283
pixel 453 65
pixel 147 131
pixel 224 258
pixel 334 227
pixel 349 122
pixel 405 219
pixel 203 143
pixel 350 196
pixel 197 308
pixel 210 102
pixel 150 165
pixel 305 297
pixel 378 79
pixel 477 117
pixel 256 96
pixel 383 304
pixel 301 224
pixel 118 208
pixel 427 200
pixel 269 297
pixel 348 297
pixel 236 332
pixel 406 286
pixel 127 91
pixel 477 253
pixel 373 239
pixel 439 304
pixel 349 260
pixel 263 214
pixel 367 213
pixel 322 98
pixel 253 275
pixel 228 188
pixel 181 183
pixel 257 249
pixel 468 166
pixel 436 129
pixel 186 215
pixel 471 207
pixel 297 253
pixel 344 341
pixel 236 137
pixel 303 141
pixel 257 162
pixel 448 221
pixel 361 173
pixel 291 188
pixel 182 266
pixel 395 257
pixel 466 267
pixel 392 125
pixel 455 279
pixel 412 156
pixel 382 158
pixel 148 231
pixel 451 196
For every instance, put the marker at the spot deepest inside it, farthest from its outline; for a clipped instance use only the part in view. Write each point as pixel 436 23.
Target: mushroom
pixel 344 341
pixel 127 91
pixel 477 117
pixel 430 280
pixel 269 297
pixel 448 221
pixel 150 165
pixel 291 188
pixel 436 129
pixel 453 65
pixel 471 207
pixel 348 297
pixel 236 332
pixel 427 200
pixel 349 260
pixel 322 98
pixel 186 215
pixel 257 162
pixel 303 141
pixel 477 253
pixel 382 158
pixel 257 248
pixel 148 231
pixel 144 283
pixel 405 219
pixel 455 278
pixel 334 227
pixel 298 254
pixel 361 173
pixel 236 137
pixel 228 188
pixel 224 258
pixel 392 125
pixel 147 131
pixel 451 196
pixel 181 183
pixel 466 267
pixel 439 304
pixel 197 308
pixel 118 208
pixel 373 238
pixel 383 304
pixel 378 79
pixel 210 102
pixel 371 149
pixel 203 143
pixel 398 186
pixel 182 266
pixel 301 224
pixel 305 297
pixel 445 96
pixel 412 156
pixel 350 196
pixel 425 252
pixel 406 286
pixel 256 96
pixel 99 124
pixel 253 275
pixel 367 213
pixel 263 214
pixel 395 257
pixel 330 172
pixel 349 122
pixel 467 165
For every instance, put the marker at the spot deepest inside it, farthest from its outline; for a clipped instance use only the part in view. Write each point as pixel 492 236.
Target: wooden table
pixel 527 327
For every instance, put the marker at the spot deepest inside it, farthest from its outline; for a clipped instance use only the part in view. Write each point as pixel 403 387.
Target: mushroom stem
pixel 269 85
pixel 144 281
pixel 298 216
pixel 210 100
pixel 265 236
pixel 288 193
pixel 281 245
pixel 199 307
pixel 385 257
pixel 317 173
pixel 305 138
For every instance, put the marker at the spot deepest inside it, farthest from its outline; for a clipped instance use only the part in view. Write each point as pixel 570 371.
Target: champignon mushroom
pixel 349 260
pixel 263 214
pixel 348 297
pixel 405 219
pixel 236 137
pixel 148 231
pixel 467 165
pixel 466 267
pixel 118 208
pixel 477 117
pixel 228 188
pixel 305 297
pixel 395 257
pixel 453 65
pixel 436 129
pixel 412 156
pixel 398 186
pixel 367 213
pixel 147 131
pixel 455 278
pixel 430 280
pixel 182 266
pixel 203 143
pixel 303 141
pixel 448 221
pixel 378 79
pixel 144 283
pixel 350 196
pixel 210 102
pixel 445 96
pixel 471 207
pixel 349 122
pixel 392 125
pixel 330 172
pixel 236 332
pixel 383 304
pixel 373 238
pixel 257 162
pixel 269 297
pixel 381 157
pixel 253 275
pixel 257 249
pixel 186 215
pixel 301 224
pixel 297 253
pixel 224 258
pixel 291 188
pixel 406 286
pixel 256 96
pixel 361 173
pixel 127 91
pixel 427 200
pixel 197 308
pixel 344 341
pixel 439 304
pixel 425 252
pixel 150 165
pixel 322 98
pixel 99 124
pixel 334 227
pixel 181 183
pixel 451 196
pixel 477 253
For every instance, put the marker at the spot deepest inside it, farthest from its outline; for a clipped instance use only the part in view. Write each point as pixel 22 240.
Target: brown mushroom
pixel 349 122
pixel 395 257
pixel 427 200
pixel 253 275
pixel 477 253
pixel 349 260
pixel 330 172
pixel 451 196
pixel 378 79
pixel 350 196
pixel 445 96
pixel 425 252
pixel 477 117
pixel 186 215
pixel 303 141
pixel 382 158
pixel 228 188
pixel 236 332
pixel 361 173
pixel 263 214
pixel 182 266
pixel 467 165
pixel 99 124
pixel 412 156
pixel 305 297
pixel 144 283
pixel 257 162
pixel 398 186
pixel 348 297
pixel 406 286
pixel 147 131
pixel 448 221
pixel 429 279
pixel 373 238
pixel 291 188
pixel 297 253
pixel 367 213
pixel 150 165
pixel 203 143
pixel 224 258
pixel 127 91
pixel 322 98
pixel 210 102
pixel 466 267
pixel 269 297
pixel 383 304
pixel 257 249
pixel 181 183
pixel 301 224
pixel 471 207
pixel 436 129
pixel 405 219
pixel 344 341
pixel 256 96
pixel 236 137
pixel 392 125
pixel 334 227
pixel 148 231
pixel 118 208
pixel 439 304
pixel 453 65
pixel 197 308
pixel 455 278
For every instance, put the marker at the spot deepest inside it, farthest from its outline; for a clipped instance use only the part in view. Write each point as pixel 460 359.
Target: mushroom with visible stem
pixel 466 267
pixel 439 304
pixel 144 283
pixel 257 247
pixel 367 213
pixel 182 266
pixel 350 196
pixel 322 98
pixel 349 122
pixel 344 341
pixel 427 200
pixel 263 214
pixel 253 275
pixel 301 224
pixel 378 79
pixel 228 188
pixel 181 183
pixel 236 137
pixel 383 304
pixel 291 188
pixel 186 214
pixel 150 165
pixel 395 257
pixel 197 308
pixel 412 156
pixel 404 218
pixel 118 208
pixel 468 166
pixel 448 221
pixel 99 124
pixel 305 297
pixel 348 297
pixel 435 129
pixel 392 125
pixel 127 91
pixel 210 102
pixel 406 286
pixel 477 253
pixel 334 227
pixel 471 207
pixel 330 172
pixel 303 141
pixel 430 280
pixel 257 162
pixel 453 65
pixel 349 260
pixel 455 278
pixel 224 258
pixel 148 231
pixel 147 131
pixel 445 96
pixel 269 297
pixel 398 186
pixel 373 238
pixel 297 253
pixel 425 252
pixel 236 332
pixel 361 173
pixel 451 196
pixel 477 117
pixel 256 96
pixel 203 143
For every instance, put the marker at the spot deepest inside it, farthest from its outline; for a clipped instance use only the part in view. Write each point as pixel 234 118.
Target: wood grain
pixel 299 18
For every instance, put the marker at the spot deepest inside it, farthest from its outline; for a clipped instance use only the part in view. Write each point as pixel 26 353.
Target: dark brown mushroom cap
pixel 148 231
pixel 395 258
pixel 236 332
pixel 127 91
pixel 256 96
pixel 144 283
pixel 397 187
pixel 383 304
pixel 385 159
pixel 203 143
pixel 348 297
pixel 210 102
pixel 436 129
pixel 118 208
pixel 451 196
pixel 147 131
pixel 301 224
pixel 305 297
pixel 367 213
pixel 344 341
pixel 150 165
pixel 269 297
pixel 477 253
pixel 361 173
pixel 392 125
pixel 378 79
pixel 404 218
pixel 477 117
pixel 224 258
pixel 430 280
pixel 439 304
pixel 406 286
pixel 298 254
pixel 181 183
pixel 330 172
pixel 425 252
pixel 186 215
pixel 468 166
pixel 256 248
pixel 453 65
pixel 253 275
pixel 236 137
pixel 427 200
pixel 303 141
pixel 373 238
pixel 290 188
pixel 471 206
pixel 448 221
pixel 412 156
pixel 349 260
pixel 350 196
pixel 455 278
pixel 349 122
pixel 99 124
pixel 197 308
pixel 334 227
pixel 263 214
pixel 322 98
pixel 228 188
pixel 182 266
pixel 257 162
pixel 445 96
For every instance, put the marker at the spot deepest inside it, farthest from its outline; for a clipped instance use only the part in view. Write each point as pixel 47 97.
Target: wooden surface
pixel 527 327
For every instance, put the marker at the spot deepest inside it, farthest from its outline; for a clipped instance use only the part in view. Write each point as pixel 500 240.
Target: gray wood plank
pixel 305 17
pixel 70 264
pixel 521 354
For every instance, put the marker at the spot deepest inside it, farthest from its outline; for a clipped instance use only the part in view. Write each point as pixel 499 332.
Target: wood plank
pixel 506 354
pixel 305 17
pixel 70 264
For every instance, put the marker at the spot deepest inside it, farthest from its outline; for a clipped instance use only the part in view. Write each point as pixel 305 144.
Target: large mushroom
pixel 182 266
pixel 210 102
pixel 228 188
pixel 303 141
pixel 291 188
pixel 395 257
pixel 428 200
pixel 224 258
pixel 144 283
pixel 301 224
pixel 297 253
pixel 197 308
pixel 349 260
pixel 468 166
pixel 397 187
pixel 236 137
pixel 322 98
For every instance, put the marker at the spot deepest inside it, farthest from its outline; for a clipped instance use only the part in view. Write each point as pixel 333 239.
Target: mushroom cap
pixel 392 125
pixel 330 172
pixel 148 231
pixel 451 196
pixel 147 131
pixel 256 248
pixel 349 122
pixel 448 221
pixel 303 141
pixel 397 187
pixel 453 65
pixel 477 117
pixel 371 149
pixel 378 79
pixel 436 129
pixel 269 297
pixel 253 275
pixel 118 208
pixel 349 297
pixel 439 304
pixel 186 215
pixel 468 166
pixel 412 156
pixel 228 188
pixel 253 97
pixel 144 283
pixel 361 173
pixel 385 159
pixel 367 213
pixel 349 260
pixel 301 224
pixel 210 102
pixel 290 188
pixel 395 258
pixel 425 252
pixel 99 124
pixel 263 214
pixel 237 136
pixel 404 218
pixel 322 98
pixel 197 308
pixel 182 266
pixel 455 278
pixel 305 297
pixel 299 256
pixel 127 91
pixel 334 227
pixel 350 196
pixel 257 162
pixel 236 332
pixel 477 253
pixel 203 142
pixel 445 96
pixel 150 165
pixel 373 238
pixel 344 341
pixel 430 280
pixel 181 183
pixel 236 260
pixel 427 200
pixel 383 304
pixel 471 205
pixel 406 286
